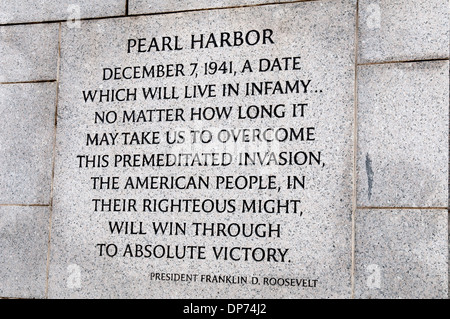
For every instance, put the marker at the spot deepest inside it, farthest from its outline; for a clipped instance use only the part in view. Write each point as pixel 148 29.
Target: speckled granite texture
pixel 401 254
pixel 50 10
pixel 403 30
pixel 29 52
pixel 23 246
pixel 26 142
pixel 153 6
pixel 318 240
pixel 403 134
pixel 378 100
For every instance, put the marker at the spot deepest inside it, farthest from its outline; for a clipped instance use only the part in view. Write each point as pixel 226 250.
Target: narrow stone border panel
pixel 155 6
pixel 49 10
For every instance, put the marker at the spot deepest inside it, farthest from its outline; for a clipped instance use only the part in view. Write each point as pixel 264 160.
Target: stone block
pixel 403 30
pixel 403 134
pixel 48 10
pixel 29 52
pixel 209 59
pixel 26 142
pixel 24 249
pixel 401 254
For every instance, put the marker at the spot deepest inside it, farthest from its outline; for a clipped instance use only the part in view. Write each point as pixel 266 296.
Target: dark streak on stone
pixel 369 172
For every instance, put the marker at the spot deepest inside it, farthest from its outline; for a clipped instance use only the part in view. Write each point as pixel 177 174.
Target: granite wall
pixel 394 232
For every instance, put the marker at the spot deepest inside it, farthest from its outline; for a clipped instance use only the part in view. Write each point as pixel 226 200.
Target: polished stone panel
pixel 28 52
pixel 301 250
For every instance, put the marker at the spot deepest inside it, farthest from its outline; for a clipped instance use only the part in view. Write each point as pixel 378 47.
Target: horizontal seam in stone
pixel 27 82
pixel 25 205
pixel 403 61
pixel 391 207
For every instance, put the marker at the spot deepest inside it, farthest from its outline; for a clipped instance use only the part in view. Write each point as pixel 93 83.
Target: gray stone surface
pixel 401 254
pixel 317 235
pixel 29 52
pixel 50 10
pixel 403 135
pixel 23 246
pixel 153 6
pixel 26 142
pixel 403 30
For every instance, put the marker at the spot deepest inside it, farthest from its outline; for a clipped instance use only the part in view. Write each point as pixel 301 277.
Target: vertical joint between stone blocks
pixel 53 157
pixel 355 152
